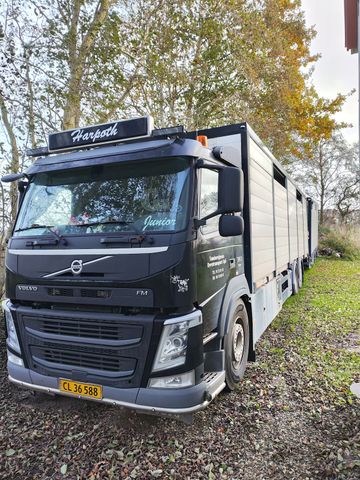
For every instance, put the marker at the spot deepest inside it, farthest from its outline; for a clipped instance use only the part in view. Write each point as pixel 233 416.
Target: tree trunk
pixel 14 168
pixel 78 58
pixel 322 184
pixel 31 121
pixel 15 157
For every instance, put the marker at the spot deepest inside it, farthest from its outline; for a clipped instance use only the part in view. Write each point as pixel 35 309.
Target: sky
pixel 337 69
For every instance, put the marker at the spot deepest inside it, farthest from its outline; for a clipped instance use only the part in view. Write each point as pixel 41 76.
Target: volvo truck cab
pixel 117 268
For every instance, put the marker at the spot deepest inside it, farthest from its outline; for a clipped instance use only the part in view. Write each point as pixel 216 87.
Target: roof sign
pixel 100 134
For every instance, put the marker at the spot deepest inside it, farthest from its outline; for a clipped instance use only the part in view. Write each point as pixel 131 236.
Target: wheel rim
pixel 237 344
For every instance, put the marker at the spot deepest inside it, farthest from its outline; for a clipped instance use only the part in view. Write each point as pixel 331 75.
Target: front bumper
pixel 147 400
pixel 51 350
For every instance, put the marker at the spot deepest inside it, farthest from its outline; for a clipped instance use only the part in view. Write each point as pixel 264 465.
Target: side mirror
pixel 231 225
pixel 231 190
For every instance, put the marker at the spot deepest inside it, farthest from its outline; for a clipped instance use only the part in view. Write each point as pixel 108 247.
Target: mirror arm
pixel 22 186
pixel 199 222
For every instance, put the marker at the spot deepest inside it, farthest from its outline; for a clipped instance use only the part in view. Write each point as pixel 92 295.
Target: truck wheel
pixel 236 345
pixel 295 278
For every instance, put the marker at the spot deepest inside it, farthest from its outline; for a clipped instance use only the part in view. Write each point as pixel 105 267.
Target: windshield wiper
pixel 107 222
pixel 141 235
pixel 115 222
pixel 35 225
pixel 47 227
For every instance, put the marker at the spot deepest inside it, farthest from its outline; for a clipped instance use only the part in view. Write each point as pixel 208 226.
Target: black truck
pixel 145 264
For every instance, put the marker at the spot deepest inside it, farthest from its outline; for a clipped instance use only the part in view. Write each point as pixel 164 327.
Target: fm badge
pixel 76 267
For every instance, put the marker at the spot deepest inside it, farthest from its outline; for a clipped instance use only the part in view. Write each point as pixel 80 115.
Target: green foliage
pixel 200 63
pixel 339 242
pixel 330 174
pixel 320 330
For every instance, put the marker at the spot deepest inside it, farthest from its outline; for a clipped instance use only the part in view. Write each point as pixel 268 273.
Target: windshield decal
pixel 158 222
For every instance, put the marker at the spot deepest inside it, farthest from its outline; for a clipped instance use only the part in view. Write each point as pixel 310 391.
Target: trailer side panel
pixel 281 227
pixel 261 214
pixel 293 235
pixel 305 227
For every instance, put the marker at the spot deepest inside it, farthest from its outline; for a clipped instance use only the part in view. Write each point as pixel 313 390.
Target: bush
pixel 342 242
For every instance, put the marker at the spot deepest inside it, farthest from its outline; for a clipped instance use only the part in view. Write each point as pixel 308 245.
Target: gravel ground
pixel 289 419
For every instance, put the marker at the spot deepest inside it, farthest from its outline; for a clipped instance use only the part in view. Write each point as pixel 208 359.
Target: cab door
pixel 215 255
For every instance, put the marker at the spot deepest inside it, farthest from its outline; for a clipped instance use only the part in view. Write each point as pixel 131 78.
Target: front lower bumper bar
pixel 146 400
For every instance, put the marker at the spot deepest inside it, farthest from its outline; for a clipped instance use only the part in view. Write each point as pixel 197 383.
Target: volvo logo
pixel 76 267
pixel 27 288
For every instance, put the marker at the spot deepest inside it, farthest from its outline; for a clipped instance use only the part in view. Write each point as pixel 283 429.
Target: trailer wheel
pixel 295 278
pixel 300 272
pixel 236 345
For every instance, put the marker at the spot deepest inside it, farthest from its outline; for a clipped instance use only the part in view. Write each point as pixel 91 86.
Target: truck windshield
pixel 140 197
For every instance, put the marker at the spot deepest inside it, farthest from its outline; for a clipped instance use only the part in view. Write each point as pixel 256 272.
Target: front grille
pixel 94 347
pixel 75 359
pixel 99 362
pixel 61 292
pixel 86 293
pixel 85 328
pixel 78 329
pixel 95 293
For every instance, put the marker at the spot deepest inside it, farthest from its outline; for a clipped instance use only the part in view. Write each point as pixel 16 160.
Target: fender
pixel 237 287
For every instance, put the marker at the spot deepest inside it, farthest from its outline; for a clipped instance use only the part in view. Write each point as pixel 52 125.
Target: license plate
pixel 80 389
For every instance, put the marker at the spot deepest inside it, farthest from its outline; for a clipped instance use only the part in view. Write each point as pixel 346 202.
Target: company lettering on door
pixel 216 264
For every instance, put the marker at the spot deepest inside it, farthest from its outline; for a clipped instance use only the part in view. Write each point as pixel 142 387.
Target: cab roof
pixel 135 151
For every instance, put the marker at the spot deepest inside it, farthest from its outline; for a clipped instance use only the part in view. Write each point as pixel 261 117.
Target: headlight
pixel 171 351
pixel 12 338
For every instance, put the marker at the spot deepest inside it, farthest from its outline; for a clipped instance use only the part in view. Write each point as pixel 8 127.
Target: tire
pixel 300 273
pixel 236 346
pixel 295 278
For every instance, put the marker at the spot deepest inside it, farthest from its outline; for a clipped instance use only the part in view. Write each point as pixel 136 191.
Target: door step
pixel 215 382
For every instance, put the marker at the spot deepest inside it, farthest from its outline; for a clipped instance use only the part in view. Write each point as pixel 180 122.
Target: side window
pixel 209 199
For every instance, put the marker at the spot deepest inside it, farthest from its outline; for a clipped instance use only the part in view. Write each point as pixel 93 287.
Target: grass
pixel 292 416
pixel 320 327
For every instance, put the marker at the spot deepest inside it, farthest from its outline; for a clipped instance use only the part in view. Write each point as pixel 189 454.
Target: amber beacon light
pixel 203 139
